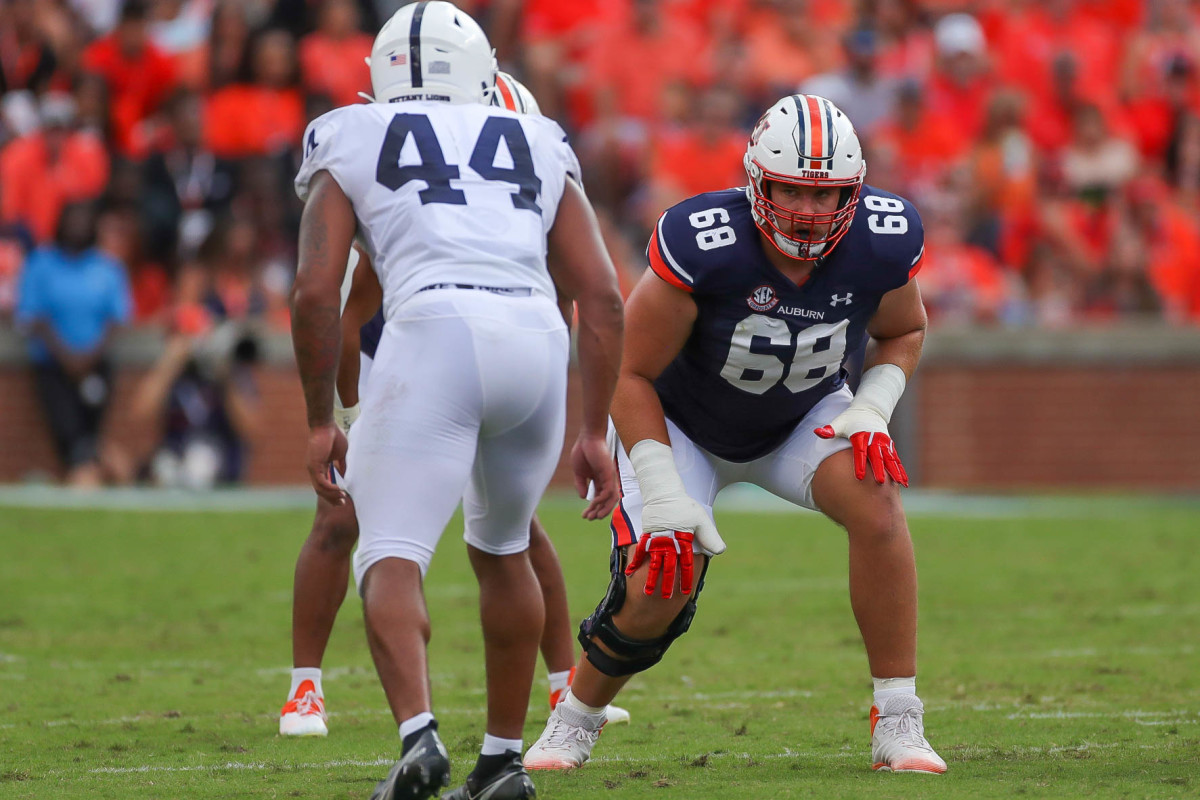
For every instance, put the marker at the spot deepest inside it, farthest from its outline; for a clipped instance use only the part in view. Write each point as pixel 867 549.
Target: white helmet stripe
pixel 414 45
pixel 804 129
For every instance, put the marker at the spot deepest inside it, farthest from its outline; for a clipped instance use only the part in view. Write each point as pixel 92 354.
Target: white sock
pixel 495 746
pixel 302 674
pixel 559 680
pixel 889 687
pixel 414 724
pixel 577 704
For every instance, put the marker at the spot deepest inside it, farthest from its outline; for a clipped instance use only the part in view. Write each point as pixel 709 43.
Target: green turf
pixel 145 655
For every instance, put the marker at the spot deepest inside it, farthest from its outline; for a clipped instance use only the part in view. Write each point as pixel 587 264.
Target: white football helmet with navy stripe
pixel 432 51
pixel 804 140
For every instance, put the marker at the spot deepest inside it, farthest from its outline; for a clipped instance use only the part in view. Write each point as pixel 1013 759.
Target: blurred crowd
pixel 147 149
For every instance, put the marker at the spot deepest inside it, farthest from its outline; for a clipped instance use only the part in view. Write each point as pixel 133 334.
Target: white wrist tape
pixel 654 465
pixel 345 417
pixel 880 390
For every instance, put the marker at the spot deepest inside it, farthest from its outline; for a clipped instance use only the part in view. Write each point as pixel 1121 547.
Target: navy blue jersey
pixel 763 350
pixel 370 334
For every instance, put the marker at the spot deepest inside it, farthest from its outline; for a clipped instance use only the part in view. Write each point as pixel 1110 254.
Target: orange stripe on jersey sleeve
pixel 912 273
pixel 660 266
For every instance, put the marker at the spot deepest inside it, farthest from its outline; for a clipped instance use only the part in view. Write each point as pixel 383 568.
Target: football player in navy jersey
pixel 734 371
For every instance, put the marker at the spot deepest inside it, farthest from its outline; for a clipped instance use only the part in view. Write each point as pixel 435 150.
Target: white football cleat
pixel 616 716
pixel 898 737
pixel 304 714
pixel 567 741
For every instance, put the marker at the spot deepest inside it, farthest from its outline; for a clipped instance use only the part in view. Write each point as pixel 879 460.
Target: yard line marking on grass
pixel 1134 714
pixel 239 765
pixel 1089 652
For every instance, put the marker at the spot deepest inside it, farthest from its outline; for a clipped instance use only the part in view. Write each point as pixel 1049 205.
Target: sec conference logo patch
pixel 762 299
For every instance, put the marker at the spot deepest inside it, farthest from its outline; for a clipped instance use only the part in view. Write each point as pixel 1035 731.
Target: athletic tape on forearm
pixel 654 465
pixel 880 390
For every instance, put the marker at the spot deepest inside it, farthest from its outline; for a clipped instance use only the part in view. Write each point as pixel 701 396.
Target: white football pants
pixel 466 400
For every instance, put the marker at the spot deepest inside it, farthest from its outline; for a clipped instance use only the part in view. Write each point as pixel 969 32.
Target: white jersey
pixel 445 193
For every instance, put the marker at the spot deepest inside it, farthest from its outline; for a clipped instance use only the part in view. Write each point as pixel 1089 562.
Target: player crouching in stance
pixel 734 371
pixel 467 394
pixel 323 566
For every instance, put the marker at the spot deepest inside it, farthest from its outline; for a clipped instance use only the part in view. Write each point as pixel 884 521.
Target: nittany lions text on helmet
pixel 432 51
pixel 804 140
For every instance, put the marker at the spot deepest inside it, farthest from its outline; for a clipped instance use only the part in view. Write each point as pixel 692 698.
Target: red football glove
pixel 665 549
pixel 876 448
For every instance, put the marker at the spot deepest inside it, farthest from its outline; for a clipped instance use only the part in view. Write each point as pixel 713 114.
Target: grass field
pixel 145 655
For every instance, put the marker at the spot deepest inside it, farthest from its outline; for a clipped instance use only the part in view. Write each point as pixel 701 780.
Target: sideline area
pixel 740 498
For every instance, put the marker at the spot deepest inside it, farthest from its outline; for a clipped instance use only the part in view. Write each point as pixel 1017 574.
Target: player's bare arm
pixel 660 321
pixel 583 271
pixel 362 303
pixel 326 234
pixel 658 318
pixel 897 330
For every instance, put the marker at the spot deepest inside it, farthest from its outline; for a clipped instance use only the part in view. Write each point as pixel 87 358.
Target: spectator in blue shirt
pixel 71 299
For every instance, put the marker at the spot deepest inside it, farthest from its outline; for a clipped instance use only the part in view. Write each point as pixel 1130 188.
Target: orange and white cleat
pixel 304 714
pixel 898 738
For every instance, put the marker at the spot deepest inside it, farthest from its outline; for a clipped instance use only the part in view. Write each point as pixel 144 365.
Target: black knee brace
pixel 631 655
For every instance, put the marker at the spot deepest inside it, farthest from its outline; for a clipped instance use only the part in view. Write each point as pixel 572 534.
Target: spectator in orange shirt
pixel 42 172
pixel 784 48
pixel 960 282
pixel 264 114
pixel 27 60
pixel 637 59
pixel 1173 247
pixel 558 39
pixel 703 156
pixel 1003 168
pixel 928 144
pixel 331 57
pixel 961 85
pixel 139 77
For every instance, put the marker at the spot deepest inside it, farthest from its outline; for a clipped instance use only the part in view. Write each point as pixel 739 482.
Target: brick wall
pixel 277 454
pixel 994 426
pixel 1011 426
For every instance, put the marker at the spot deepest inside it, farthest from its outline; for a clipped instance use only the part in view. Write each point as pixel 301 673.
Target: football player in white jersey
pixel 457 204
pixel 322 568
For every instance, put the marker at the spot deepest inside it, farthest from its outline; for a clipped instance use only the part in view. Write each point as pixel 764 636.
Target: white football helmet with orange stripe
pixel 510 93
pixel 804 140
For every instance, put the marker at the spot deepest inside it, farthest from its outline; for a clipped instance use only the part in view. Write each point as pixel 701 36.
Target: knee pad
pixel 630 655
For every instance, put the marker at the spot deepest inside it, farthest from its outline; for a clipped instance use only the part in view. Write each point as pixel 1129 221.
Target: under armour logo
pixel 834 302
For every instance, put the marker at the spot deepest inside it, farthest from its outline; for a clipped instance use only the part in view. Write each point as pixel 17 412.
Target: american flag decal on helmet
pixel 815 137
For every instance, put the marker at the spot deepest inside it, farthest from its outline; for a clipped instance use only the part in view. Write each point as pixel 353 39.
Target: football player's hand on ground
pixel 326 447
pixel 664 550
pixel 592 462
pixel 868 434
